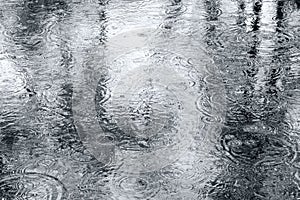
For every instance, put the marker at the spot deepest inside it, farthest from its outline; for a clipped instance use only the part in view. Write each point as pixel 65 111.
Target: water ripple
pixel 31 186
pixel 237 38
pixel 175 9
pixel 209 109
pixel 144 186
pixel 184 173
pixel 213 10
pixel 259 148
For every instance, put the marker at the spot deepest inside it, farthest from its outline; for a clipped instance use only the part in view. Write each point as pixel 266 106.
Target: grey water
pixel 149 99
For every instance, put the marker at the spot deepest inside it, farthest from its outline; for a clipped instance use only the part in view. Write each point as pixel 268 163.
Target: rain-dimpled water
pixel 149 99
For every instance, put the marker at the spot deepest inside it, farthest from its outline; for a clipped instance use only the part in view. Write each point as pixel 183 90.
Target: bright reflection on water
pixel 162 99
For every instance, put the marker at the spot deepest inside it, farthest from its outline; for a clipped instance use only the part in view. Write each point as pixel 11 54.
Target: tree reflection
pixel 255 27
pixel 212 30
pixel 256 141
pixel 173 11
pixel 297 2
pixel 32 17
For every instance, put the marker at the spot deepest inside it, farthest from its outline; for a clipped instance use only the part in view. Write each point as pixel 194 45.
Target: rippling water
pixel 161 99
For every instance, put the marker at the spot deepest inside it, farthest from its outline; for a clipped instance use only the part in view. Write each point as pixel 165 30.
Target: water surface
pixel 162 100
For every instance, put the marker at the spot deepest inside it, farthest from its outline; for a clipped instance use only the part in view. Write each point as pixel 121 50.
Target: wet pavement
pixel 161 99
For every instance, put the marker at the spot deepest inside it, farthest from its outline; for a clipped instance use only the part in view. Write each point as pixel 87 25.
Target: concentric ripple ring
pixel 32 186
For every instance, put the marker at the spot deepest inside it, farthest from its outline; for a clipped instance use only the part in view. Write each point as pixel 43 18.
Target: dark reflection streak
pixel 67 135
pixel 173 12
pixel 174 8
pixel 103 21
pixel 212 8
pixel 255 27
pixel 105 123
pixel 111 129
pixel 9 138
pixel 281 29
pixel 32 16
pixel 242 179
pixel 1 165
pixel 30 21
pixel 257 158
pixel 23 40
pixel 297 2
pixel 241 17
pixel 279 15
pixel 279 59
pixel 103 2
pixel 257 9
pixel 275 88
pixel 101 89
pixel 242 5
pixel 280 52
pixel 212 30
